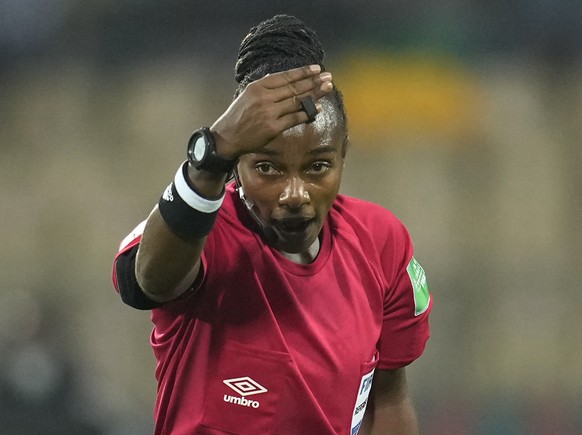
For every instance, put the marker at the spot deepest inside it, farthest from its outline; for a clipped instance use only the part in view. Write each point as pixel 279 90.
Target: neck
pixel 305 257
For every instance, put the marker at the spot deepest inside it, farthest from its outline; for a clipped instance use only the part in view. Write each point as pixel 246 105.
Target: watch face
pixel 199 148
pixel 202 154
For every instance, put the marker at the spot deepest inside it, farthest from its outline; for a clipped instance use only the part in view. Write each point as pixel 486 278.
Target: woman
pixel 276 301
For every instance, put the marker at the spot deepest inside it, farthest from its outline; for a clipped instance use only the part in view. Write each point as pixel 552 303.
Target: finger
pixel 296 117
pixel 292 119
pixel 316 86
pixel 277 80
pixel 293 103
pixel 308 106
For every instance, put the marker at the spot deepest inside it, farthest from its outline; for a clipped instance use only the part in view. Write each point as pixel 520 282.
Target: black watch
pixel 202 153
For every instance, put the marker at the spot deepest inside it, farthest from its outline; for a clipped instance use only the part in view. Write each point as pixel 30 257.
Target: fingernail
pixel 315 68
pixel 326 86
pixel 325 76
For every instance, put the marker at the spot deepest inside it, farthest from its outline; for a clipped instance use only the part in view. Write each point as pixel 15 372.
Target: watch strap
pixel 212 162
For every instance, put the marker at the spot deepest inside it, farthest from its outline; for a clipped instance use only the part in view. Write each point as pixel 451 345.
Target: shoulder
pixel 366 216
pixel 373 226
pixel 357 206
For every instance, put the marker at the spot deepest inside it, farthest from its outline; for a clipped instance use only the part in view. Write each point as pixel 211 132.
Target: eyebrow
pixel 319 150
pixel 323 149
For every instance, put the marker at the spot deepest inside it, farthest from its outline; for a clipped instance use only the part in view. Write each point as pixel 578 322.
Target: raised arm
pixel 167 263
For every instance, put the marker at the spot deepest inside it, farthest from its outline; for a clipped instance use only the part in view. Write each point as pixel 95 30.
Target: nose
pixel 295 194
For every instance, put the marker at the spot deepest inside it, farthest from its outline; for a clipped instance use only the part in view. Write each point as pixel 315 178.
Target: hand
pixel 266 108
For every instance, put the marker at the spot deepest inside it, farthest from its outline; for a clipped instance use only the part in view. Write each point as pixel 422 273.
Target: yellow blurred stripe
pixel 407 96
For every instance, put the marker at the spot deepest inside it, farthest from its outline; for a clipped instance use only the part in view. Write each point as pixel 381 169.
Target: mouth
pixel 292 225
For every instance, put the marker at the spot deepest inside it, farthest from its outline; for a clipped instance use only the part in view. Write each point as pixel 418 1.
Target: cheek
pixel 262 194
pixel 325 193
pixel 247 177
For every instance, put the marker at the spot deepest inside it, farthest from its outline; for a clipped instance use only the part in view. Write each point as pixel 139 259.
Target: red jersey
pixel 265 345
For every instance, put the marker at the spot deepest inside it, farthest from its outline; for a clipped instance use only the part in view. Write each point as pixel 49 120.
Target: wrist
pixel 223 147
pixel 202 153
pixel 208 184
pixel 188 213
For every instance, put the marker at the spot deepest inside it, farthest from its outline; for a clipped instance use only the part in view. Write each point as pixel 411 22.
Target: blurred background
pixel 466 121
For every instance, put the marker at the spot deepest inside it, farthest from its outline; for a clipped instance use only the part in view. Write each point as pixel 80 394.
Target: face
pixel 294 180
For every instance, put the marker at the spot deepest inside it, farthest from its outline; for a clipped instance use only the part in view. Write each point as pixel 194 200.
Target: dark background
pixel 466 121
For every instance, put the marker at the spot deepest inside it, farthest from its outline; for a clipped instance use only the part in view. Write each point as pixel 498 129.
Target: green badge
pixel 419 286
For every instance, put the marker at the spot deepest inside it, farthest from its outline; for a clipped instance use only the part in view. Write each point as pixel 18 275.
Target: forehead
pixel 325 132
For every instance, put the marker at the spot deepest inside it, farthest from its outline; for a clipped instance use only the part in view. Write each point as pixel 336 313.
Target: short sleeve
pixel 407 304
pixel 123 274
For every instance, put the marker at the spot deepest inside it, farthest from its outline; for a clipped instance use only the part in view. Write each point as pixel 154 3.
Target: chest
pixel 322 319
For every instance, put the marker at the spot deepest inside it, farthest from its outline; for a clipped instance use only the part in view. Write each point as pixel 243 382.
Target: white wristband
pixel 187 214
pixel 191 197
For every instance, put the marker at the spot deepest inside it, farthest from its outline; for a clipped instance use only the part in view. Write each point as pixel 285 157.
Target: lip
pixel 293 226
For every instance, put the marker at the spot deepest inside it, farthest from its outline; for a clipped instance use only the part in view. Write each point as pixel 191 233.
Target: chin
pixel 295 246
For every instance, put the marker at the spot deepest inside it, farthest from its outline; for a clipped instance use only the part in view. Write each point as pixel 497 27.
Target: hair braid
pixel 278 44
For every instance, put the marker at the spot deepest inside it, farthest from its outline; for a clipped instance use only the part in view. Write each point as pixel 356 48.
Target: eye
pixel 266 168
pixel 319 167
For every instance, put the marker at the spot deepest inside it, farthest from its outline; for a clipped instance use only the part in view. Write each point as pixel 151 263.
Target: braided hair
pixel 278 44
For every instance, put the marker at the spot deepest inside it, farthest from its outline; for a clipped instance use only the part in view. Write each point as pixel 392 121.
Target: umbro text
pixel 241 401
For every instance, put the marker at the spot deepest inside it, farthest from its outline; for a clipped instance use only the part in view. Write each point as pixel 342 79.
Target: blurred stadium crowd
pixel 466 120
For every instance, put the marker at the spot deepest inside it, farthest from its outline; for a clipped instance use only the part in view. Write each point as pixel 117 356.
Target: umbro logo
pixel 244 386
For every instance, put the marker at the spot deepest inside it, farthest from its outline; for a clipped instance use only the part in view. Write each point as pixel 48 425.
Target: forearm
pixel 164 260
pixel 166 263
pixel 391 419
pixel 390 410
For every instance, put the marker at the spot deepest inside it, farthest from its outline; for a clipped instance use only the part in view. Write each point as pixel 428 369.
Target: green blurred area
pixel 466 121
